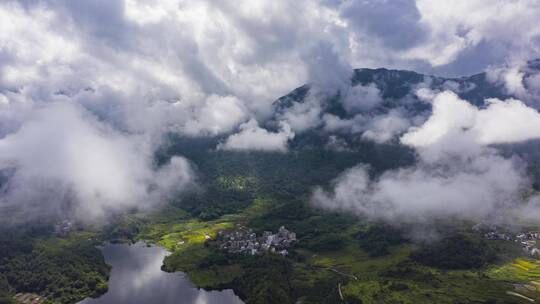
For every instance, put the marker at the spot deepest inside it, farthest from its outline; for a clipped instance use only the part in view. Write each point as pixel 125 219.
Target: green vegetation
pixel 369 262
pixel 265 279
pixel 231 181
pixel 526 272
pixel 519 269
pixel 5 297
pixel 336 255
pixel 62 270
pixel 315 274
pixel 377 239
pixel 180 235
pixel 457 251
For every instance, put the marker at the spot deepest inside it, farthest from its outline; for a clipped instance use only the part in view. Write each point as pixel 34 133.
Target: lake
pixel 137 278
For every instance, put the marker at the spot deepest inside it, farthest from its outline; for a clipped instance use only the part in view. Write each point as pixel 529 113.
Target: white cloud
pixel 507 121
pixel 510 77
pixel 473 190
pixel 457 174
pixel 459 26
pixel 306 115
pixel 67 162
pixel 378 128
pixel 362 98
pixel 253 137
pixel 128 72
pixel 336 143
pixel 450 115
pixel 383 128
pixel 333 123
pixel 216 116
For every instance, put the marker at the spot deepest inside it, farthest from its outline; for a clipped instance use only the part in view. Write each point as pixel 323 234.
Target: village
pixel 245 241
pixel 28 298
pixel 527 240
pixel 63 228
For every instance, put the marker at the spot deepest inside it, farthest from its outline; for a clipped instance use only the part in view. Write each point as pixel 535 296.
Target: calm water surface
pixel 136 278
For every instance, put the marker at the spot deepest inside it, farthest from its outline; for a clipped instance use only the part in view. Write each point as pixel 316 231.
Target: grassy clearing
pixel 523 273
pixel 174 230
pixel 259 207
pixel 420 284
pixel 181 235
pixel 517 270
pixel 355 261
pixel 393 278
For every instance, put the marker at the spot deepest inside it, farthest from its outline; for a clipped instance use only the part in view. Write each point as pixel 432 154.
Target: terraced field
pixel 524 276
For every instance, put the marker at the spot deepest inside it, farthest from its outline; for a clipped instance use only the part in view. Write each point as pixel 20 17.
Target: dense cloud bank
pixel 88 89
pixel 67 163
pixel 458 173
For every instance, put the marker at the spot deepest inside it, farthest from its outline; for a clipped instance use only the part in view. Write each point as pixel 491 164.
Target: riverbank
pixel 57 270
pixel 321 268
pixel 137 278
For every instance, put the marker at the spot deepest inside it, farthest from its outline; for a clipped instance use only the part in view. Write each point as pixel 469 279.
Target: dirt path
pixel 342 273
pixel 520 295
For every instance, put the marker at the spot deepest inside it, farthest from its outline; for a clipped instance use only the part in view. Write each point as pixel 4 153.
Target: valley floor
pixel 344 274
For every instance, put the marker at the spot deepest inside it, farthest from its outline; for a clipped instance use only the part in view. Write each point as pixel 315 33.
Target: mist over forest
pixel 396 139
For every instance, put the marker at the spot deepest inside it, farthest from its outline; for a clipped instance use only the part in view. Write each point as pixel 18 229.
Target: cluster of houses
pixel 245 241
pixel 527 240
pixel 62 229
pixel 28 298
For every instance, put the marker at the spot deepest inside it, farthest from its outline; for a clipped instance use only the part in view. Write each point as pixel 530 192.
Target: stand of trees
pixel 456 251
pixel 63 270
pixel 377 239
